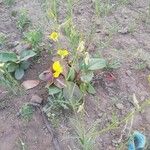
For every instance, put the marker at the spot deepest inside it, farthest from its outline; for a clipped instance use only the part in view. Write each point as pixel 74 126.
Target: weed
pixel 123 2
pixel 102 9
pixel 2 39
pixel 140 65
pixel 112 64
pixel 51 9
pixel 9 2
pixel 83 134
pixel 112 28
pixel 70 9
pixel 26 112
pixel 23 20
pixel 34 37
pixel 14 13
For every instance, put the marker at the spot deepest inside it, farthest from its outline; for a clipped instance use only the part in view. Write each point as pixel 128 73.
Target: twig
pixel 49 127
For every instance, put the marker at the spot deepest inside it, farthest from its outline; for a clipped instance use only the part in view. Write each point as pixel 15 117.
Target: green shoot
pixel 23 20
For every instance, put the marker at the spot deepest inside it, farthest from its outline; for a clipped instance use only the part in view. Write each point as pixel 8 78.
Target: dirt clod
pixel 36 99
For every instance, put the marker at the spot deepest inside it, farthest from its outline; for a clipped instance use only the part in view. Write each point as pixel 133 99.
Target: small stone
pixel 13 44
pixel 98 22
pixel 119 106
pixel 123 31
pixel 115 141
pixel 36 99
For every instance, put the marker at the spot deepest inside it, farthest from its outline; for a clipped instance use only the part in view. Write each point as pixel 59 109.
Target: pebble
pixel 123 31
pixel 36 99
pixel 119 106
pixel 13 44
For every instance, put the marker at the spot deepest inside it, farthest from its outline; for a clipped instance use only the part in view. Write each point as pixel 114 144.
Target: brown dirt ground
pixel 128 47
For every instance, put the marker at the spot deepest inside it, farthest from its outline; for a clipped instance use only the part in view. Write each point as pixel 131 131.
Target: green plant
pixel 23 20
pixel 101 8
pixel 9 2
pixel 70 75
pixel 2 39
pixel 16 64
pixel 123 2
pixel 71 33
pixel 26 112
pixel 6 80
pixel 112 64
pixel 51 9
pixel 84 134
pixel 34 37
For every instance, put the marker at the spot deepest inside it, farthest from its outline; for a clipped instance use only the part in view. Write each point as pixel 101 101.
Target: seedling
pixel 9 2
pixel 34 37
pixel 26 112
pixel 2 39
pixel 16 64
pixel 102 9
pixel 23 20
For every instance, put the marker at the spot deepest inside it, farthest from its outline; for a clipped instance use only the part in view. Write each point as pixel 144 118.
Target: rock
pixel 123 31
pixel 98 22
pixel 13 44
pixel 119 106
pixel 36 99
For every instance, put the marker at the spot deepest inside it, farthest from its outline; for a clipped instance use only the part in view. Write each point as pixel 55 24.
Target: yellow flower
pixel 57 68
pixel 63 53
pixel 54 36
pixel 81 46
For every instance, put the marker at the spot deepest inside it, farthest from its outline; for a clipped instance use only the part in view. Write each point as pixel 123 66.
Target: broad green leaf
pixel 26 54
pixel 96 63
pixel 12 67
pixel 8 56
pixel 71 74
pixel 53 90
pixel 87 77
pixel 72 92
pixel 24 65
pixel 91 89
pixel 19 73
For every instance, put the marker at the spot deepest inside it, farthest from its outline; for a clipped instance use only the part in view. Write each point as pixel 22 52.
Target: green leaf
pixel 12 67
pixel 87 77
pixel 114 64
pixel 83 87
pixel 71 74
pixel 26 54
pixel 19 73
pixel 72 92
pixel 8 56
pixel 96 63
pixel 24 65
pixel 91 89
pixel 53 90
